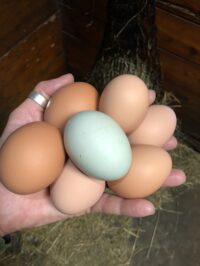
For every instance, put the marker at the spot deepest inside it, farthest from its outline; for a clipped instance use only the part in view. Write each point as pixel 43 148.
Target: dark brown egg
pixel 31 158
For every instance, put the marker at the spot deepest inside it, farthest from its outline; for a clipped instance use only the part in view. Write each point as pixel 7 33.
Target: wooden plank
pixel 178 35
pixel 77 24
pixel 183 79
pixel 82 37
pixel 38 57
pixel 190 4
pixel 186 9
pixel 19 18
pixel 90 8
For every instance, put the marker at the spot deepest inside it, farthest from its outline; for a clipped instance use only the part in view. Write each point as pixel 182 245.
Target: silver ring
pixel 39 98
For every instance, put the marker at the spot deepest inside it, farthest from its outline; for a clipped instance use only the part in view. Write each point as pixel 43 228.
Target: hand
pixel 25 211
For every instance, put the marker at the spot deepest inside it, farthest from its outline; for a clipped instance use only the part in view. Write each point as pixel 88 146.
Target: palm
pixel 22 211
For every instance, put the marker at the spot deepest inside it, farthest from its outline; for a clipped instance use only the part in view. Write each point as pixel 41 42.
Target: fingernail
pixel 152 91
pixel 149 210
pixel 70 76
pixel 180 179
pixel 152 94
pixel 176 178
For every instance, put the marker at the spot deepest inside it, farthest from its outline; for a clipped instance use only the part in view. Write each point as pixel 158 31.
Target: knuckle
pixel 40 85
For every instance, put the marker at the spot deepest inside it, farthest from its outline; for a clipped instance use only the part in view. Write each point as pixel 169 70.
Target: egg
pixel 31 158
pixel 68 100
pixel 97 145
pixel 125 99
pixel 151 166
pixel 74 192
pixel 156 128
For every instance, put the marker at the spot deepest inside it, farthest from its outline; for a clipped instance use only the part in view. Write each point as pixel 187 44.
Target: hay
pixel 87 240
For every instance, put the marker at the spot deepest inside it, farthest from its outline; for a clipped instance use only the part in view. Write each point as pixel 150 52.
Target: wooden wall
pixel 178 24
pixel 31 49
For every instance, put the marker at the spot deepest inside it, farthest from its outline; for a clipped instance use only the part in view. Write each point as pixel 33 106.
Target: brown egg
pixel 31 158
pixel 74 192
pixel 68 100
pixel 125 99
pixel 156 128
pixel 151 166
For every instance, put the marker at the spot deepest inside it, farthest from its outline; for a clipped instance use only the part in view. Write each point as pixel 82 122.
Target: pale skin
pixel 26 211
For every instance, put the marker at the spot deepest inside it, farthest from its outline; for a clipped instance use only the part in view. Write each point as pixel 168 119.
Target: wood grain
pixel 183 8
pixel 83 33
pixel 35 58
pixel 178 35
pixel 182 78
pixel 89 8
pixel 19 18
pixel 190 4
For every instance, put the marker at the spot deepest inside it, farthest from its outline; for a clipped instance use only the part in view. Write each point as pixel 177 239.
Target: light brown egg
pixel 31 158
pixel 151 166
pixel 74 192
pixel 157 127
pixel 125 99
pixel 68 100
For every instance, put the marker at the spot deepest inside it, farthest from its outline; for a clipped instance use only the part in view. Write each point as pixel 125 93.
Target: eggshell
pixel 151 166
pixel 97 145
pixel 69 100
pixel 156 128
pixel 125 99
pixel 74 192
pixel 31 158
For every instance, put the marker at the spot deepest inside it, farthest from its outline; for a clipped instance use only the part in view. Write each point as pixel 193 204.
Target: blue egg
pixel 97 145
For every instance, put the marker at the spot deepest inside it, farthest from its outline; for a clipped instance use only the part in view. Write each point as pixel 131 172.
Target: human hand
pixel 26 211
